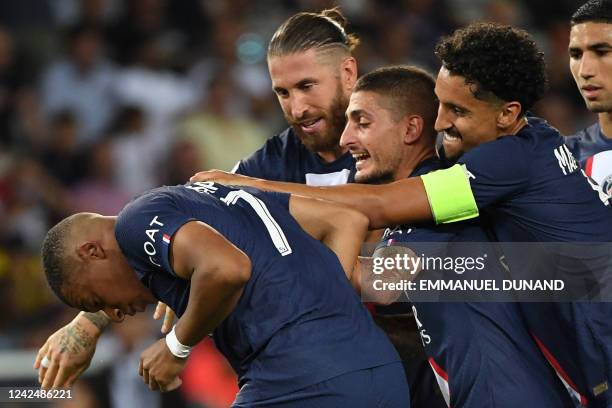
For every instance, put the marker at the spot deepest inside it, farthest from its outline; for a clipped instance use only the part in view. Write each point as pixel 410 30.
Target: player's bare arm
pixel 218 272
pixel 401 202
pixel 341 228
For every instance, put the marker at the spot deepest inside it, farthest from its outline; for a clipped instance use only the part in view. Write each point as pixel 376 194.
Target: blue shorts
pixel 378 387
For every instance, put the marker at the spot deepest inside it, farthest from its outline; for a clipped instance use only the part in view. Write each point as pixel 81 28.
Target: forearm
pixel 385 205
pixel 345 236
pixel 211 300
pixel 99 319
pixel 401 202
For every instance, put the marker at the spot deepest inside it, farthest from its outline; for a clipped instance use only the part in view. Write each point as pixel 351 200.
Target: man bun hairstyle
pixel 305 30
pixel 593 11
pixel 496 59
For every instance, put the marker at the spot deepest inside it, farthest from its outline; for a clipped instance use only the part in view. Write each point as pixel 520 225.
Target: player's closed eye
pixel 306 86
pixel 458 111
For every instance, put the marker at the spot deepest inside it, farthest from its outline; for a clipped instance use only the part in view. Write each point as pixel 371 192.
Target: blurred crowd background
pixel 103 99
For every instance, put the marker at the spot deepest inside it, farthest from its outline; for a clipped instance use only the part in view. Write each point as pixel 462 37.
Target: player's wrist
pixel 177 348
pixel 93 323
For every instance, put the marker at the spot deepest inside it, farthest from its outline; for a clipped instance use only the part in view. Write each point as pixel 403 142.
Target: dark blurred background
pixel 103 99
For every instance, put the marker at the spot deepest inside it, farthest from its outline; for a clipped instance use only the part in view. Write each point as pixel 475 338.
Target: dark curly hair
pixel 496 59
pixel 594 11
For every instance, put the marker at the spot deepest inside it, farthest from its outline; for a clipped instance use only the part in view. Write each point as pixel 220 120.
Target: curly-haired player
pixel 495 75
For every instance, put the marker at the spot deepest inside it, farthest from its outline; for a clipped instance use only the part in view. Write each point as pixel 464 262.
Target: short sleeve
pixel 265 163
pixel 277 198
pixel 145 230
pixel 250 166
pixel 497 170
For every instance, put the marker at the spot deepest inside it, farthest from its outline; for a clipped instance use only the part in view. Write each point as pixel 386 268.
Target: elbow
pixel 377 217
pixel 350 219
pixel 360 220
pixel 238 273
pixel 233 273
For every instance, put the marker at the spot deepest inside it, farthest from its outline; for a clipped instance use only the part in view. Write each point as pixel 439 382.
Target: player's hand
pixel 68 353
pixel 159 368
pixel 163 309
pixel 223 177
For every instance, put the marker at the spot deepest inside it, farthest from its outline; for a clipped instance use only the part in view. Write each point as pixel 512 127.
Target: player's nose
pixel 442 122
pixel 298 108
pixel 348 137
pixel 588 66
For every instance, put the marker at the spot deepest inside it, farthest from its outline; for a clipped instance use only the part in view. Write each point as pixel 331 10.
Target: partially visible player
pixel 391 134
pixel 515 169
pixel 590 51
pixel 311 64
pixel 313 70
pixel 238 265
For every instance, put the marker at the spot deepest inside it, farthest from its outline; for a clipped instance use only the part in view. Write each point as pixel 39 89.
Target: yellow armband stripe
pixel 450 195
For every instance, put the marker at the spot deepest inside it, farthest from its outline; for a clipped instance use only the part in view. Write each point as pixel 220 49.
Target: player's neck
pixel 516 127
pixel 605 123
pixel 411 162
pixel 329 156
pixel 104 227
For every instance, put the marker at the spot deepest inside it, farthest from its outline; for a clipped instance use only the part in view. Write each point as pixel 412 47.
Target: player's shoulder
pixel 531 139
pixel 536 132
pixel 282 144
pixel 589 135
pixel 156 198
pixel 277 153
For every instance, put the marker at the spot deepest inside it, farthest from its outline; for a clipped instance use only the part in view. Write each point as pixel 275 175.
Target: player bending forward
pixel 238 265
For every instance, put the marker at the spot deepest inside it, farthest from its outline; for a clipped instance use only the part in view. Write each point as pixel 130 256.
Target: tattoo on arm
pixel 99 319
pixel 75 340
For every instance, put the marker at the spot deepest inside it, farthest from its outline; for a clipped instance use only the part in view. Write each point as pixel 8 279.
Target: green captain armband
pixel 450 195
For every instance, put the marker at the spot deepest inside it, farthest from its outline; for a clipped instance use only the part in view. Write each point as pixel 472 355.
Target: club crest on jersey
pixel 606 185
pixel 599 168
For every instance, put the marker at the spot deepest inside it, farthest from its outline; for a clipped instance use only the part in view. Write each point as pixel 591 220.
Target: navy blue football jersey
pixel 298 321
pixel 534 190
pixel 285 158
pixel 593 151
pixel 481 352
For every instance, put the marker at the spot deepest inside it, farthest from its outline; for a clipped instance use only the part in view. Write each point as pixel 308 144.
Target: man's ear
pixel 508 115
pixel 91 251
pixel 348 73
pixel 413 125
